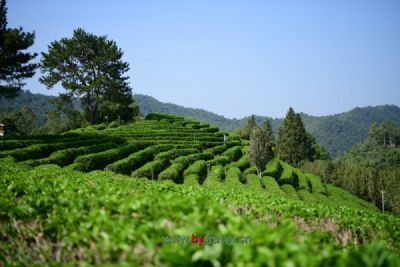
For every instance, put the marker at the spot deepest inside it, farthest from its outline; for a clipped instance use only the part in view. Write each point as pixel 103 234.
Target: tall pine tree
pixel 14 62
pixel 293 143
pixel 90 67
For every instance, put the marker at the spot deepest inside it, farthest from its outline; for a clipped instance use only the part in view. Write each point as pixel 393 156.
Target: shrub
pixel 250 170
pixel 173 172
pixel 137 159
pixel 219 160
pixel 100 160
pixel 290 191
pixel 198 168
pixel 174 153
pixel 288 175
pixel 233 153
pixel 316 185
pixel 114 124
pixel 189 159
pixel 67 156
pixel 303 180
pixel 216 175
pixel 192 180
pixel 217 149
pixel 254 182
pixel 271 186
pixel 243 163
pixel 233 176
pixel 150 169
pixel 273 169
pixel 211 129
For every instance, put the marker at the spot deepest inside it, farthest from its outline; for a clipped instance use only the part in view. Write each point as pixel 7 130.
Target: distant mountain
pixel 338 133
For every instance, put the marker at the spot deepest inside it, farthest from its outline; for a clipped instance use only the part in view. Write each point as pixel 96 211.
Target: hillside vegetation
pixel 129 194
pixel 338 133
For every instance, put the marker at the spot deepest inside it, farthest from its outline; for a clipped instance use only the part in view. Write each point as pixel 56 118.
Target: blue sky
pixel 237 58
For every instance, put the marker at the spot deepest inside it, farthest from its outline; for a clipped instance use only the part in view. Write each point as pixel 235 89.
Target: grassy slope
pixel 53 214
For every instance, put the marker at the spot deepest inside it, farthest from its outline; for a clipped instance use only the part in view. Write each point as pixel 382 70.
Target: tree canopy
pixel 261 143
pixel 91 67
pixel 14 62
pixel 294 144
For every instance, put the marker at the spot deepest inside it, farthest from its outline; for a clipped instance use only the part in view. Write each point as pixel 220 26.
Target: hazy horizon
pixel 239 58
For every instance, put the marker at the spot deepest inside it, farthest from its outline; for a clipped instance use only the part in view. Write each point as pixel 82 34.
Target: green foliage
pixel 273 169
pixel 290 192
pixel 150 169
pixel 288 175
pixel 233 177
pixel 215 177
pixel 14 61
pixel 135 160
pixel 90 67
pixel 173 172
pixel 303 181
pixel 198 168
pixel 102 218
pixel 67 156
pixel 271 186
pixel 294 145
pixel 316 185
pixel 243 163
pixel 174 153
pixel 260 148
pixel 233 153
pixel 100 160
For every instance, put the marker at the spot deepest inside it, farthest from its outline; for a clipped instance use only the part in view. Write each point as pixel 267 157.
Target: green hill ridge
pixel 338 133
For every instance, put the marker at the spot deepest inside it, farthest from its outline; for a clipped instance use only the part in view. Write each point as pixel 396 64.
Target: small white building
pixel 2 130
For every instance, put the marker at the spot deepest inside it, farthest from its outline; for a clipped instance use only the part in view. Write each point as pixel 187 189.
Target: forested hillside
pixel 338 133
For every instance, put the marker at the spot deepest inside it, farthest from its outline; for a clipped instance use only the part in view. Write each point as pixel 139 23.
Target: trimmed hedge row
pixel 250 170
pixel 151 169
pixel 192 180
pixel 290 191
pixel 173 172
pixel 160 116
pixel 233 153
pixel 254 182
pixel 174 153
pixel 303 180
pixel 67 156
pixel 272 187
pixel 273 169
pixel 219 160
pixel 137 159
pixel 233 177
pixel 211 129
pixel 98 161
pixel 316 185
pixel 189 159
pixel 243 163
pixel 217 149
pixel 198 168
pixel 288 176
pixel 215 177
pixel 44 150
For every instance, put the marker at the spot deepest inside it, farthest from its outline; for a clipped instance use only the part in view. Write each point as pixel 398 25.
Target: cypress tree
pixel 293 144
pixel 260 149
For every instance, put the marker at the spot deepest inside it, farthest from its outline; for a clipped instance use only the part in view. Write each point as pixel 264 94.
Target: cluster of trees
pixel 294 144
pixel 367 168
pixel 386 133
pixel 89 67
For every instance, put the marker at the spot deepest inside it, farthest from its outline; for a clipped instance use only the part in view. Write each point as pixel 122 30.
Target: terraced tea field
pixel 129 194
